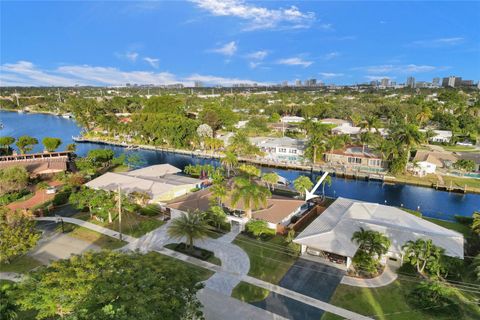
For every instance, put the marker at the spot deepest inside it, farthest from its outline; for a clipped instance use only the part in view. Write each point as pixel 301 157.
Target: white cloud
pixel 228 49
pixel 152 61
pixel 330 55
pixel 25 73
pixel 331 74
pixel 258 55
pixel 440 42
pixel 373 78
pixel 258 17
pixel 295 61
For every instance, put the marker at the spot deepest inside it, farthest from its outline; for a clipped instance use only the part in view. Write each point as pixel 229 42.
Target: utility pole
pixel 120 212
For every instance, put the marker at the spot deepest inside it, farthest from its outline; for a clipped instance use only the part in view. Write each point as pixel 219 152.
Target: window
pixel 282 150
pixel 354 160
pixel 294 151
pixel 375 162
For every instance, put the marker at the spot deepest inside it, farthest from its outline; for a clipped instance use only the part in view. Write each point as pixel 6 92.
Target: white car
pixel 51 190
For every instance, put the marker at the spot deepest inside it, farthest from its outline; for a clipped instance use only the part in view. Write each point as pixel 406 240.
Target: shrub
pixel 432 293
pixel 13 196
pixel 61 197
pixel 259 229
pixel 464 220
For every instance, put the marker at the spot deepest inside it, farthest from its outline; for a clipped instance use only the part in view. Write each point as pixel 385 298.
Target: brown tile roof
pixel 437 158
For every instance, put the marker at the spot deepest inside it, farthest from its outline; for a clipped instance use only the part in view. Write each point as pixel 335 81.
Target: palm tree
pixel 335 142
pixel 216 216
pixel 270 179
pixel 315 146
pixel 219 191
pixel 421 253
pixel 424 115
pixel 476 222
pixel 327 180
pixel 372 242
pixel 408 135
pixel 366 138
pixel 370 122
pixel 302 183
pixel 230 161
pixel 190 225
pixel 250 193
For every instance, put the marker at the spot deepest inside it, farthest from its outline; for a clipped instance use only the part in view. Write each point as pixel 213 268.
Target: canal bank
pixel 432 203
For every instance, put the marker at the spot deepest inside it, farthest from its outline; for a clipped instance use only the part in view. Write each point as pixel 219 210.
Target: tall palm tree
pixel 372 242
pixel 424 115
pixel 190 225
pixel 270 179
pixel 328 181
pixel 219 191
pixel 408 136
pixel 370 122
pixel 335 142
pixel 230 161
pixel 251 194
pixel 315 146
pixel 366 138
pixel 302 183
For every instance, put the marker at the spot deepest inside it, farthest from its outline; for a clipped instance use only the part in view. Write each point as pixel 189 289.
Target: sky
pixel 221 42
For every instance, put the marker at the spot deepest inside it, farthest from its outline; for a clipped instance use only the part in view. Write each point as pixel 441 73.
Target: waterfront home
pixel 329 236
pixel 437 158
pixel 160 182
pixel 278 211
pixel 474 156
pixel 422 168
pixel 45 163
pixel 336 122
pixel 347 129
pixel 356 157
pixel 441 136
pixel 280 149
pixel 292 119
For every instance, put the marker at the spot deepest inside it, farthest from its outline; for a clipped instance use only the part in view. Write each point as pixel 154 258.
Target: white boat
pixel 67 115
pixel 20 111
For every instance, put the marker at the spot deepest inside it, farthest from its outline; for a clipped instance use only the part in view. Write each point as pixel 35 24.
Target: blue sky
pixel 229 41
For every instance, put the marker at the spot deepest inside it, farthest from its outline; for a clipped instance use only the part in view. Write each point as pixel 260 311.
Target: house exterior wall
pixel 352 160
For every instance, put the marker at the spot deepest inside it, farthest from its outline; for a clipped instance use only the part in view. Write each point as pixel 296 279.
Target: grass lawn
pixel 119 168
pixel 471 183
pixel 132 224
pixel 455 226
pixel 212 259
pixel 103 241
pixel 457 148
pixel 431 179
pixel 269 260
pixel 389 303
pixel 21 264
pixel 202 273
pixel 249 293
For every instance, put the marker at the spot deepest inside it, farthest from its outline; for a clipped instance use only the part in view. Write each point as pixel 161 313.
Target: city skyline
pixel 228 42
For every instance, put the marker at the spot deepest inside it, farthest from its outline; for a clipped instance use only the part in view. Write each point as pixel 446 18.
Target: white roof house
pixel 292 119
pixel 284 148
pixel 440 135
pixel 347 129
pixel 333 229
pixel 160 182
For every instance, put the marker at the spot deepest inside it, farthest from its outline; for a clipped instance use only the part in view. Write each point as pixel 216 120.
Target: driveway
pixel 310 278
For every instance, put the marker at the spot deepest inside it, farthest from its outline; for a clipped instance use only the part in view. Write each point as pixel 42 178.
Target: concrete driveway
pixel 310 278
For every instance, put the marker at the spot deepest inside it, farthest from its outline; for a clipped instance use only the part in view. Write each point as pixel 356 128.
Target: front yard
pixel 22 264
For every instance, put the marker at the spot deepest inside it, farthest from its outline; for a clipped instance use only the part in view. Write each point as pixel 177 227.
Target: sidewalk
pixel 91 226
pixel 388 276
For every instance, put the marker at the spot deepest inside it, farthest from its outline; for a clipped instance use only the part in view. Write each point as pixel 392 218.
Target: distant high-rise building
pixel 374 83
pixel 385 82
pixel 311 82
pixel 467 83
pixel 298 83
pixel 452 82
pixel 198 84
pixel 411 82
pixel 285 84
pixel 436 82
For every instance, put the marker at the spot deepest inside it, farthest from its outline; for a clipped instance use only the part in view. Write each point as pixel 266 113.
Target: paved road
pixel 310 278
pixel 11 276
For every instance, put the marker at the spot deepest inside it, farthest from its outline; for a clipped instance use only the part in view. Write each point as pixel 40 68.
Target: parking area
pixel 310 278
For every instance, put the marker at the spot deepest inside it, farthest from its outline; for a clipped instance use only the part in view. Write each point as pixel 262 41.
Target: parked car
pixel 51 190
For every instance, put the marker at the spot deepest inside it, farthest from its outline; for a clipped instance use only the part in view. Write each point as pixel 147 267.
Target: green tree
pixel 476 222
pixel 13 179
pixel 302 183
pixel 407 136
pixel 335 142
pixel 99 202
pixel 464 164
pixel 71 147
pixel 326 181
pixel 250 171
pixel 26 143
pixel 219 191
pixel 270 179
pixel 190 225
pixel 17 234
pixel 100 156
pixel 250 194
pixel 6 142
pixel 229 161
pixel 374 243
pixel 112 285
pixel 424 255
pixel 216 217
pixel 8 306
pixel 258 228
pixel 433 293
pixel 51 144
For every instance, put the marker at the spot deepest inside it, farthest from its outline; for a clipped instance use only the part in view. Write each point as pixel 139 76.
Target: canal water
pixel 432 203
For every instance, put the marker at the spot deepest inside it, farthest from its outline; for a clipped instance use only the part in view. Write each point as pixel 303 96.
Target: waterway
pixel 432 203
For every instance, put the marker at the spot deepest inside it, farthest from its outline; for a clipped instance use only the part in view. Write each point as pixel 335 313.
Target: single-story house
pixel 356 157
pixel 347 129
pixel 423 168
pixel 442 136
pixel 337 122
pixel 161 182
pixel 439 159
pixel 330 234
pixel 278 211
pixel 280 149
pixel 292 119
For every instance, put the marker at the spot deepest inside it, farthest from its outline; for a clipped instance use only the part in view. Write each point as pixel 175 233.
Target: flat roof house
pixel 280 149
pixel 292 119
pixel 161 182
pixel 329 235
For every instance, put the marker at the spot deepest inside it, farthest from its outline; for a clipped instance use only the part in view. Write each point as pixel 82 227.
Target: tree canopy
pixel 25 144
pixel 51 144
